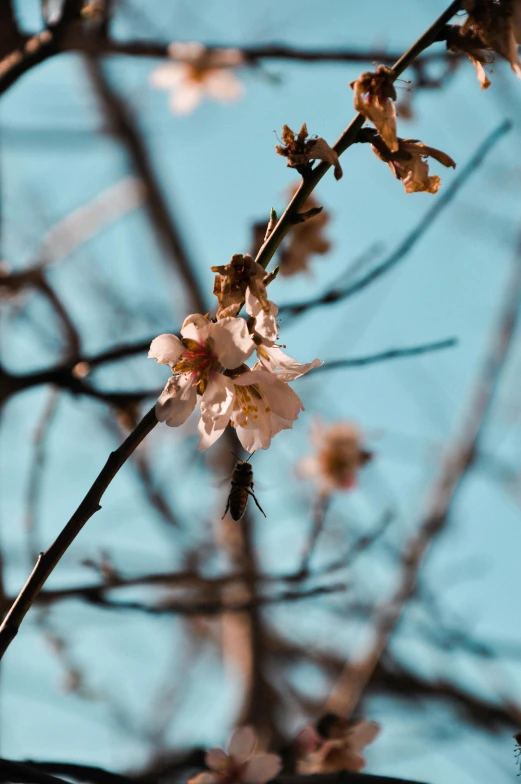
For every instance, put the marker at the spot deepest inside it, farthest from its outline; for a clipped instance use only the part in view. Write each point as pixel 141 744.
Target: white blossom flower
pixel 337 752
pixel 198 72
pixel 260 407
pixel 239 764
pixel 196 361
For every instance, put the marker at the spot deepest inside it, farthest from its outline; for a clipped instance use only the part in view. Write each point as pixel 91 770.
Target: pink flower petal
pixel 242 743
pixel 217 759
pixel 261 768
pixel 223 85
pixel 205 777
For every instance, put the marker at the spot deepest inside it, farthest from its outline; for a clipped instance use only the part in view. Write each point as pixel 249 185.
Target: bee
pixel 241 488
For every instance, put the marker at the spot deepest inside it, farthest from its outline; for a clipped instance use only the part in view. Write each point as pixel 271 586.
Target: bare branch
pixel 89 506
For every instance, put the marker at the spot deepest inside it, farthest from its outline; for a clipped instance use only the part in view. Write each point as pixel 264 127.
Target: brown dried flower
pixel 498 24
pixel 300 151
pixel 374 97
pixel 305 240
pixel 232 280
pixel 409 163
pixel 471 44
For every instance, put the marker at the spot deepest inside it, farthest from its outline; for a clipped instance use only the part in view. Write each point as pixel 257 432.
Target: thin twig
pixel 407 244
pixel 348 138
pixel 320 508
pixel 89 506
pixel 384 356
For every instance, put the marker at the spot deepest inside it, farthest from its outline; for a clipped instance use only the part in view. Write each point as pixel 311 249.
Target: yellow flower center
pixel 197 361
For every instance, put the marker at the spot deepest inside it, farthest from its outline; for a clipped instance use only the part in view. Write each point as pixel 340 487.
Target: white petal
pixel 262 768
pixel 177 401
pixel 255 436
pixel 210 428
pixel 282 400
pixel 216 759
pixel 242 743
pixel 231 341
pixel 218 395
pixel 265 323
pixel 168 76
pixel 290 368
pixel 186 50
pixel 196 327
pixel 166 349
pixel 186 97
pixel 223 85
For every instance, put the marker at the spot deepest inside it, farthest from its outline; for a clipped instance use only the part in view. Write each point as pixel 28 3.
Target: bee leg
pixel 226 510
pixel 250 492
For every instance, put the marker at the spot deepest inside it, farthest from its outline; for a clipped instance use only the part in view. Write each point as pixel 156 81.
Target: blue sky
pixel 220 172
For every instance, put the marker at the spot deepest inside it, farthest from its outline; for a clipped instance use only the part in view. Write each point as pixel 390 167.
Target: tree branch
pixel 89 506
pixel 348 138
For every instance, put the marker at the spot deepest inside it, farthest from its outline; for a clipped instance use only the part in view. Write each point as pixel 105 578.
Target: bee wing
pixel 362 733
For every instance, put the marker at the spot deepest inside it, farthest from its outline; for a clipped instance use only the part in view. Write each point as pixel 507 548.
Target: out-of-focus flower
pixel 340 455
pixel 305 240
pixel 232 280
pixel 239 764
pixel 374 98
pixel 498 24
pixel 196 361
pixel 409 164
pixel 335 744
pixel 198 72
pixel 300 151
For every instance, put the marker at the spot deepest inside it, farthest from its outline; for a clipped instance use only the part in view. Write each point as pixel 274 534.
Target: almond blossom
pixel 409 163
pixel 196 360
pixel 240 764
pixel 260 405
pixel 374 98
pixel 198 72
pixel 498 24
pixel 340 455
pixel 339 750
pixel 300 151
pixel 208 370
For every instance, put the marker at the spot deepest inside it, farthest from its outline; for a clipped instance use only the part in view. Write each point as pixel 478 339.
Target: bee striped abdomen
pixel 241 489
